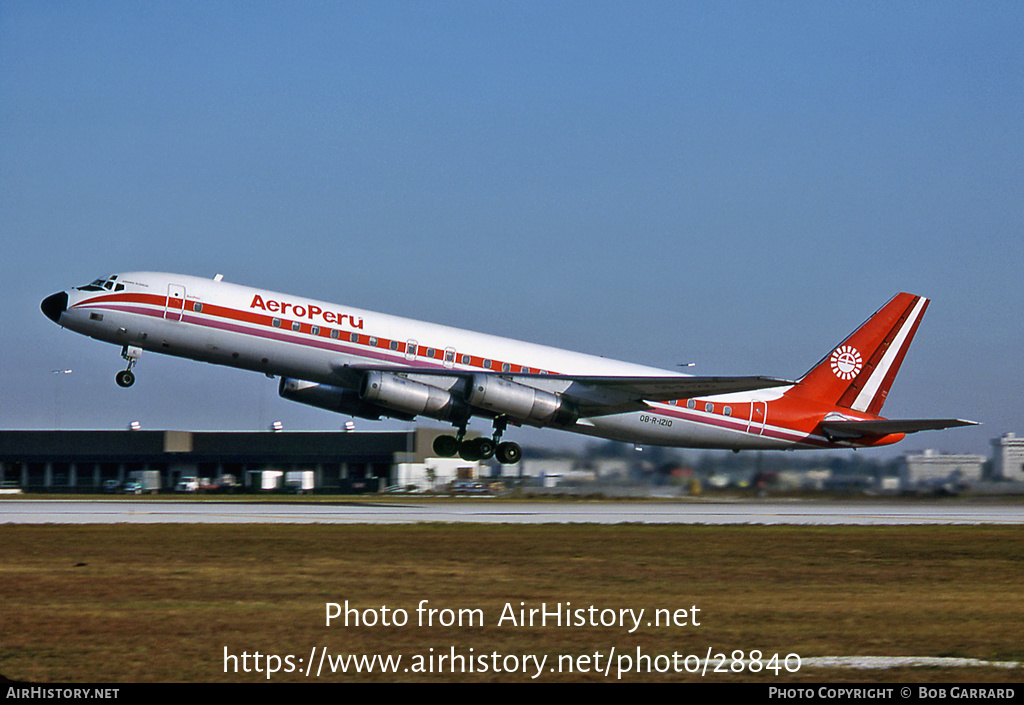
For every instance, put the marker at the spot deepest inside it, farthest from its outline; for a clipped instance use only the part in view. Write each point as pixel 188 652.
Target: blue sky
pixel 737 185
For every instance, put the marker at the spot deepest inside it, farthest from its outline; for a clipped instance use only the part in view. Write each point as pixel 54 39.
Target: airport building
pixel 1008 458
pixel 330 461
pixel 934 470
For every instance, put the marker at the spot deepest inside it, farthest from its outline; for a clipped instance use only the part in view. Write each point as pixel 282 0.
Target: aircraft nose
pixel 54 305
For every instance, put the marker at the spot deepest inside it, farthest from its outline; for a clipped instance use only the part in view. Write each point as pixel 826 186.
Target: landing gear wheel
pixel 446 446
pixel 509 453
pixel 483 448
pixel 468 451
pixel 125 378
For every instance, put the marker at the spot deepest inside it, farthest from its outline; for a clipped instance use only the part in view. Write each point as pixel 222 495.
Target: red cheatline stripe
pixel 216 311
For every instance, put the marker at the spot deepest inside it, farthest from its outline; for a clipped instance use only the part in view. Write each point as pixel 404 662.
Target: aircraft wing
pixel 603 395
pixel 882 427
pixel 669 388
pixel 600 395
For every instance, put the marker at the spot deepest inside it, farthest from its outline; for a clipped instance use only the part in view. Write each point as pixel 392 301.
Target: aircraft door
pixel 758 417
pixel 175 306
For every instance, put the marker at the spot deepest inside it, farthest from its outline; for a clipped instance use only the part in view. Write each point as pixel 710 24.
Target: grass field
pixel 144 603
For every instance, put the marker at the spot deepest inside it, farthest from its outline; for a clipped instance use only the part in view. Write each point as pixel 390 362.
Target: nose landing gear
pixel 126 378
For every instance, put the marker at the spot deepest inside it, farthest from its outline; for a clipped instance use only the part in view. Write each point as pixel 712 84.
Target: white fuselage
pixel 294 337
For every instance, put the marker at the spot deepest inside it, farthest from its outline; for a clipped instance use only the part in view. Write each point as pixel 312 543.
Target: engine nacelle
pixel 526 404
pixel 337 399
pixel 406 395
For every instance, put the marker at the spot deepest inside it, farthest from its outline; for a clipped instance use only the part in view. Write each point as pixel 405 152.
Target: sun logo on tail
pixel 846 362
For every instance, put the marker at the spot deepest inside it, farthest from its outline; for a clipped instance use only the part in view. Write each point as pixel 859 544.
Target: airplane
pixel 368 365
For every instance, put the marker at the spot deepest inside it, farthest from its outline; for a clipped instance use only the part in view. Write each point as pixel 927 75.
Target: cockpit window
pixel 95 286
pixel 101 284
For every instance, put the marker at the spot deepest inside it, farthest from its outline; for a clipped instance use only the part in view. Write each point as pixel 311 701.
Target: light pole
pixel 56 397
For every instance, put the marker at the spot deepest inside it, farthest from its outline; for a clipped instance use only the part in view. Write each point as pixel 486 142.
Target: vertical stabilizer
pixel 858 373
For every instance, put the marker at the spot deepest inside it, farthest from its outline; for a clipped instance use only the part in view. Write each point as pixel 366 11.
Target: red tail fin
pixel 857 374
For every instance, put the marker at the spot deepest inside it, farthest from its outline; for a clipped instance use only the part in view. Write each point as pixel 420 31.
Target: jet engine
pixel 337 399
pixel 411 397
pixel 525 404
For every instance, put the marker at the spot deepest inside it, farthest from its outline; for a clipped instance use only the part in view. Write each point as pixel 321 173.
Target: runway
pixel 761 512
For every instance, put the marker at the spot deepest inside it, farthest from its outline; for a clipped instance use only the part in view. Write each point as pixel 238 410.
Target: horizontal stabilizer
pixel 883 427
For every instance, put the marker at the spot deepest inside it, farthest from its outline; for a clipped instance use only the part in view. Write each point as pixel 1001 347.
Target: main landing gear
pixel 482 448
pixel 126 378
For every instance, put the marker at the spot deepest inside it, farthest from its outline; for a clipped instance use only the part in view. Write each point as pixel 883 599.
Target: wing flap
pixel 670 388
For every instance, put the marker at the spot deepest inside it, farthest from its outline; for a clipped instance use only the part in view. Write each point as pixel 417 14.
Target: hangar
pixel 81 461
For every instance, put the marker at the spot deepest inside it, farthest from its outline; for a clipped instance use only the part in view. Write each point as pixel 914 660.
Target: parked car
pixel 132 487
pixel 468 487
